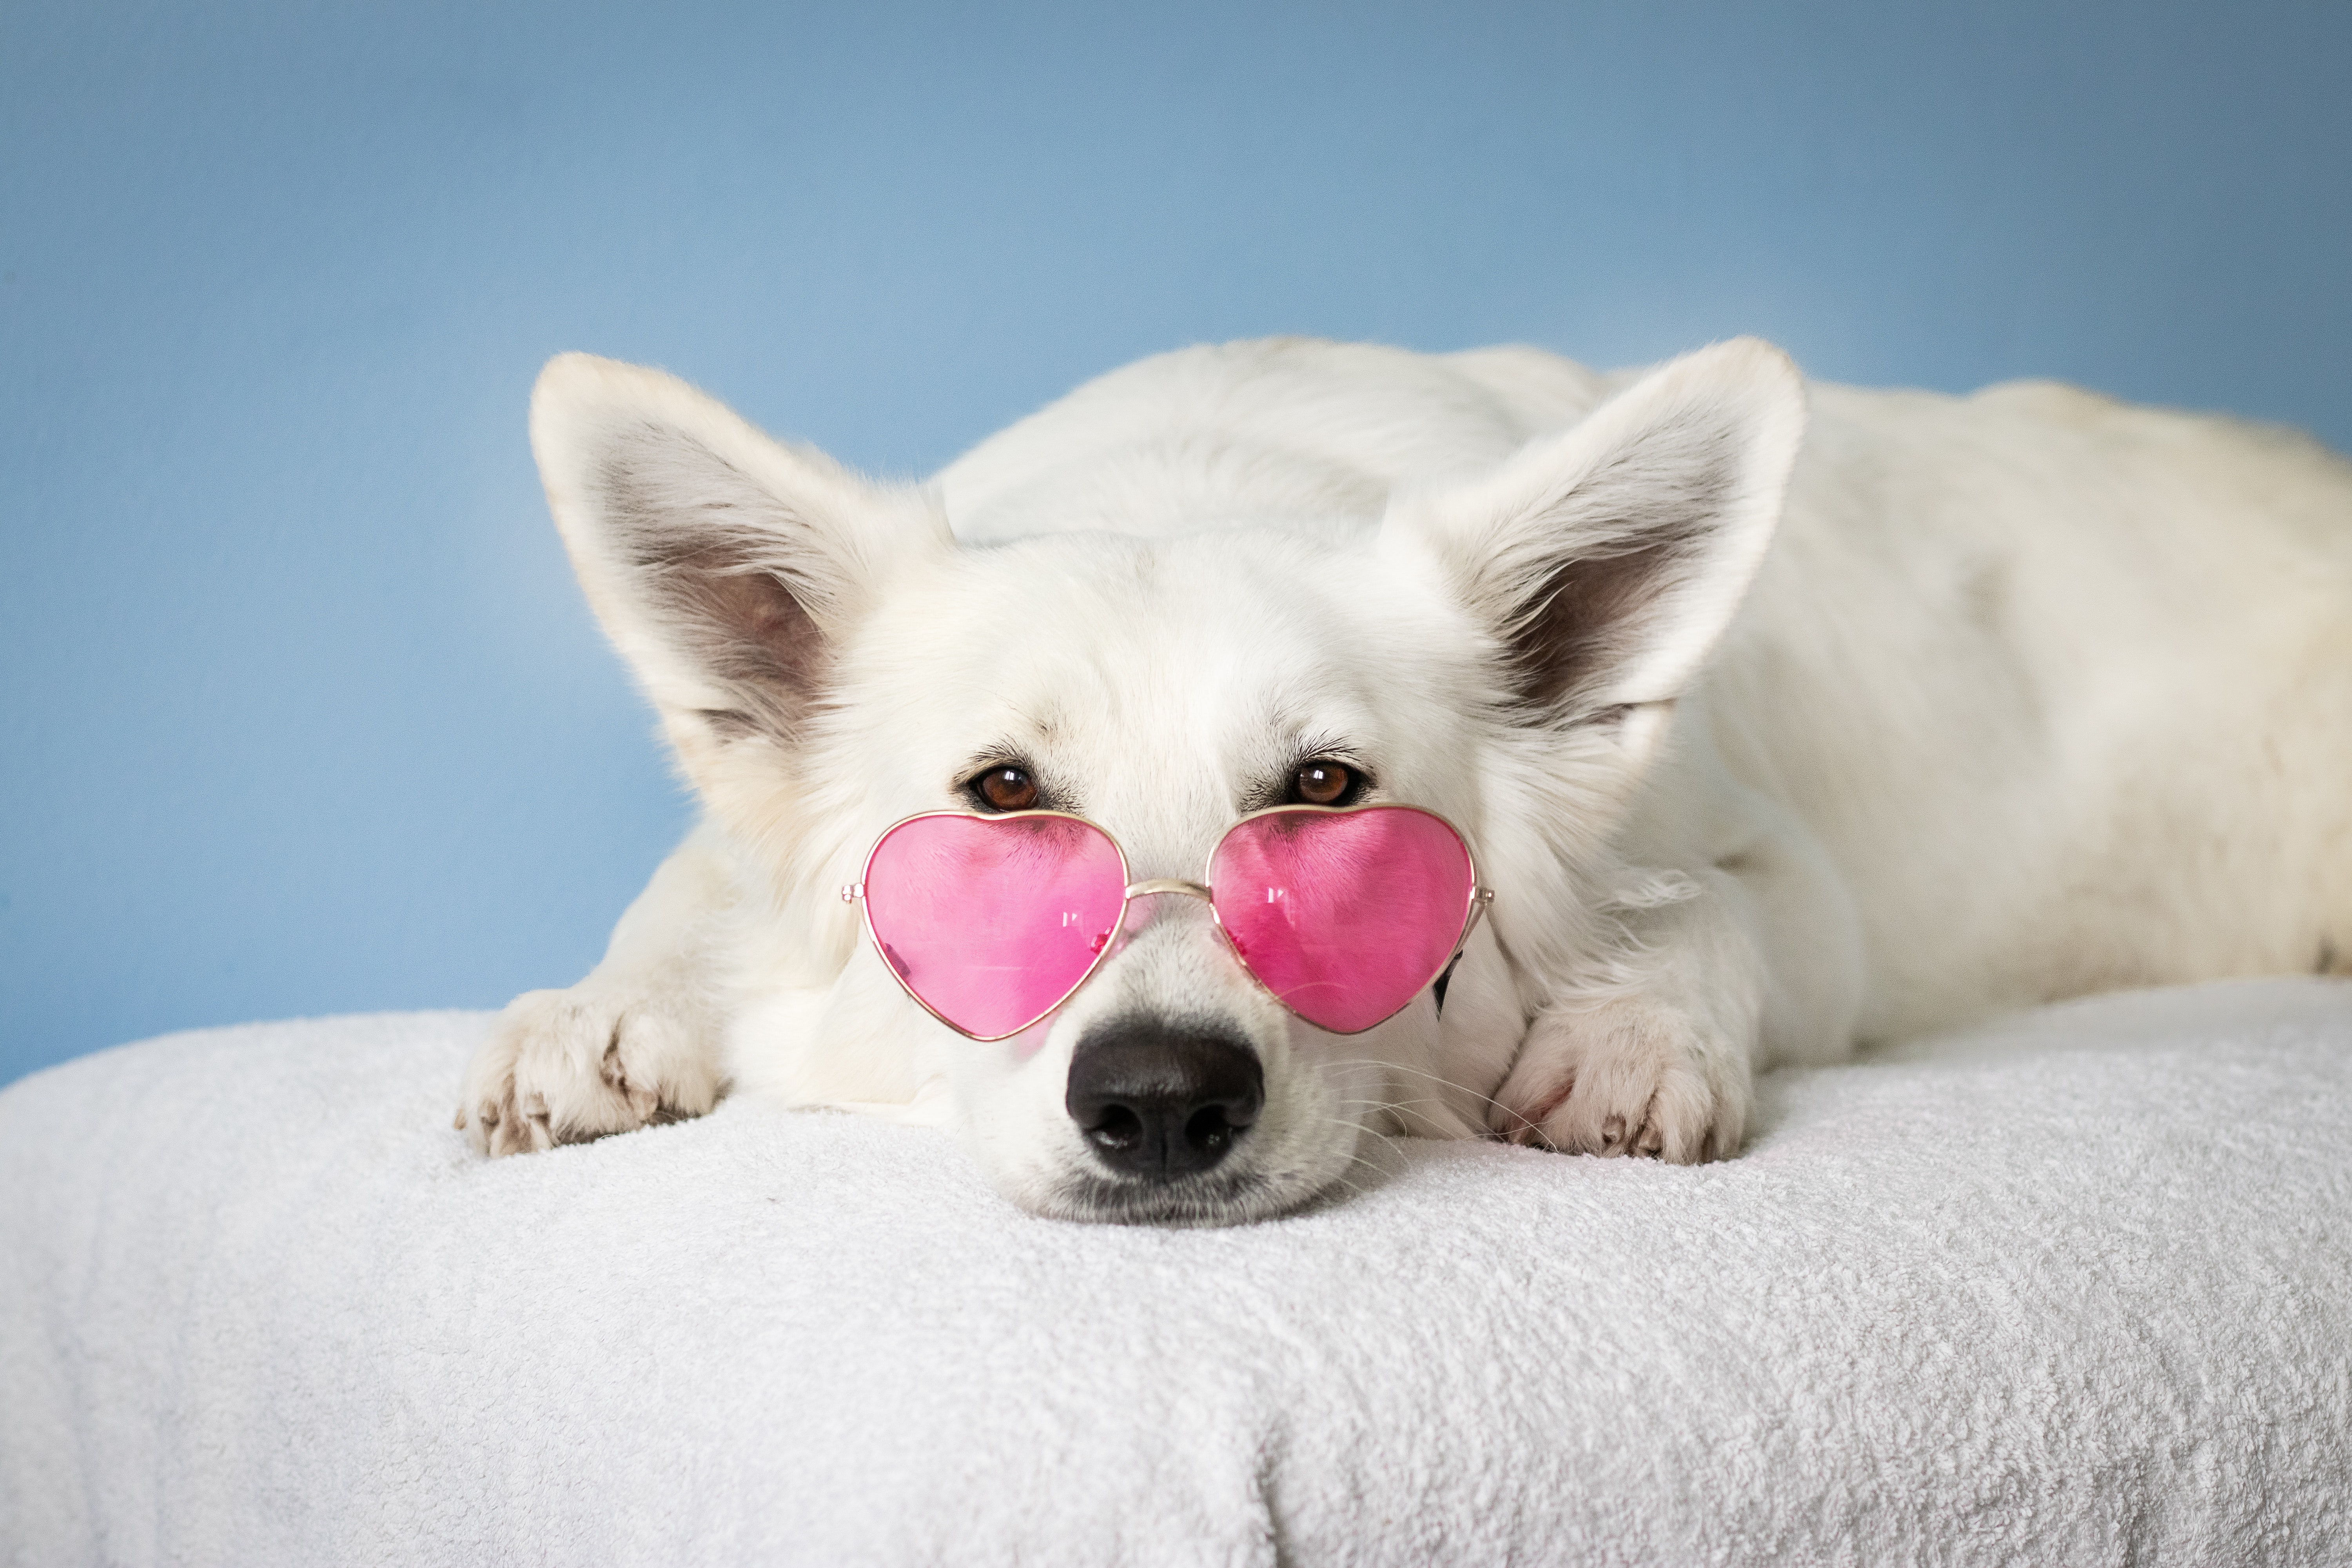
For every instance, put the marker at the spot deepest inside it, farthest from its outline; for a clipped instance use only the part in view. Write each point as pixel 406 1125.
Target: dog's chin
pixel 1212 1198
pixel 1196 1201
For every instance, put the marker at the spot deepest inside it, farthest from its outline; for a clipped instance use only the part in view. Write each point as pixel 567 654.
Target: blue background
pixel 302 712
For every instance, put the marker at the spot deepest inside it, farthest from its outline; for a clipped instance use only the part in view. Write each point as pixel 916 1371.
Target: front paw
pixel 564 1066
pixel 1628 1076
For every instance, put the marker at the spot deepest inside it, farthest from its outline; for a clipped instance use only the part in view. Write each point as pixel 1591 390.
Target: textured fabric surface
pixel 2075 1290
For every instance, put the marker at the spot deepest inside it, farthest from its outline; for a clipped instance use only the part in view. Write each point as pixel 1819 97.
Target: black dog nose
pixel 1163 1100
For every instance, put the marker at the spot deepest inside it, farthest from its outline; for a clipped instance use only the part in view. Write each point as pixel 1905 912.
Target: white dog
pixel 2019 696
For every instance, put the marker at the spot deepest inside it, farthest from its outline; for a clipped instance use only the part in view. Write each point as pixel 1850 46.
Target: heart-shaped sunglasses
pixel 1342 914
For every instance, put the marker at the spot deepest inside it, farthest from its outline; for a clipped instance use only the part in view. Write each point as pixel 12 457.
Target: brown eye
pixel 1322 783
pixel 1006 789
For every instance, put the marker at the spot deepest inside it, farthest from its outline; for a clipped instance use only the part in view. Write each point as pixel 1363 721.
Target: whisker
pixel 1356 1156
pixel 1365 1128
pixel 1441 1081
pixel 1396 1104
pixel 1340 1177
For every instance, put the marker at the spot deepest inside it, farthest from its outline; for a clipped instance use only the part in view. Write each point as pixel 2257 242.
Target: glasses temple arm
pixel 1479 903
pixel 1478 908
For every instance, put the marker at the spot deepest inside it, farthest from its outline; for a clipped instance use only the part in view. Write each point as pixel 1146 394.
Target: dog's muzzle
pixel 1161 1101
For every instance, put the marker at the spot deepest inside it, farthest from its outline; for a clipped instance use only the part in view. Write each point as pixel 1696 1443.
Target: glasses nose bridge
pixel 1151 886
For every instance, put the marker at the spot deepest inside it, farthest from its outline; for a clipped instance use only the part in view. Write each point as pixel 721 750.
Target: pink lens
pixel 991 922
pixel 1345 916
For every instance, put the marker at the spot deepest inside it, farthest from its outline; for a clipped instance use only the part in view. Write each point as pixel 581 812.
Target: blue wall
pixel 301 712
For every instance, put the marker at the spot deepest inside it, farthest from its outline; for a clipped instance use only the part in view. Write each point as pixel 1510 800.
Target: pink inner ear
pixel 1344 916
pixel 993 922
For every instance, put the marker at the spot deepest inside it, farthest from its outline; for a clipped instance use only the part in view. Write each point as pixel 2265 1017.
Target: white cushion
pixel 2077 1289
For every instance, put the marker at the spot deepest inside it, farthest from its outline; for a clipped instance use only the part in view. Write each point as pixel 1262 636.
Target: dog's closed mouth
pixel 1216 1199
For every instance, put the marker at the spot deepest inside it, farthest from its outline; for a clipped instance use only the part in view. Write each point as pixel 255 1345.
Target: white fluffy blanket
pixel 2074 1291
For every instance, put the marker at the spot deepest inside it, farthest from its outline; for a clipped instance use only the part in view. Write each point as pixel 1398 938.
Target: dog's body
pixel 2033 695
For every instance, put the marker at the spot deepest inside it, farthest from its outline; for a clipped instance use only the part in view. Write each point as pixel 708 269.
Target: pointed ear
pixel 1608 560
pixel 723 564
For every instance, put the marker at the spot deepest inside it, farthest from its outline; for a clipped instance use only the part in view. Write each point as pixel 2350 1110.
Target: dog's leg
pixel 1761 966
pixel 1661 1062
pixel 636 1041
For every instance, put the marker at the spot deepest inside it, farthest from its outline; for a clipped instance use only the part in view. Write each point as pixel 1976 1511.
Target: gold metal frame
pixel 1480 896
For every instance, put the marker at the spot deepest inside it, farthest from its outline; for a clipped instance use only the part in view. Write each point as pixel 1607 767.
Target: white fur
pixel 2033 694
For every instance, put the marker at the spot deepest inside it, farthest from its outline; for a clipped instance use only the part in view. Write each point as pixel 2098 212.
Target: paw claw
pixel 1653 1142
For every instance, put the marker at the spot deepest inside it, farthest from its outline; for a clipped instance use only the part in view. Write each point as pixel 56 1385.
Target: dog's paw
pixel 564 1066
pixel 1628 1076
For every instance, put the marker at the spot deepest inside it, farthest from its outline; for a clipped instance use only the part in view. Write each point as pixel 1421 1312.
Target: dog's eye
pixel 1006 789
pixel 1323 783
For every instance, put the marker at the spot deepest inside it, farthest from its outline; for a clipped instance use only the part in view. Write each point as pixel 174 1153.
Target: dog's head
pixel 1500 647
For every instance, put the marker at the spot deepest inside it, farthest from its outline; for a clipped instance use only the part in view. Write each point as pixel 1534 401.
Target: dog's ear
pixel 1608 560
pixel 722 563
